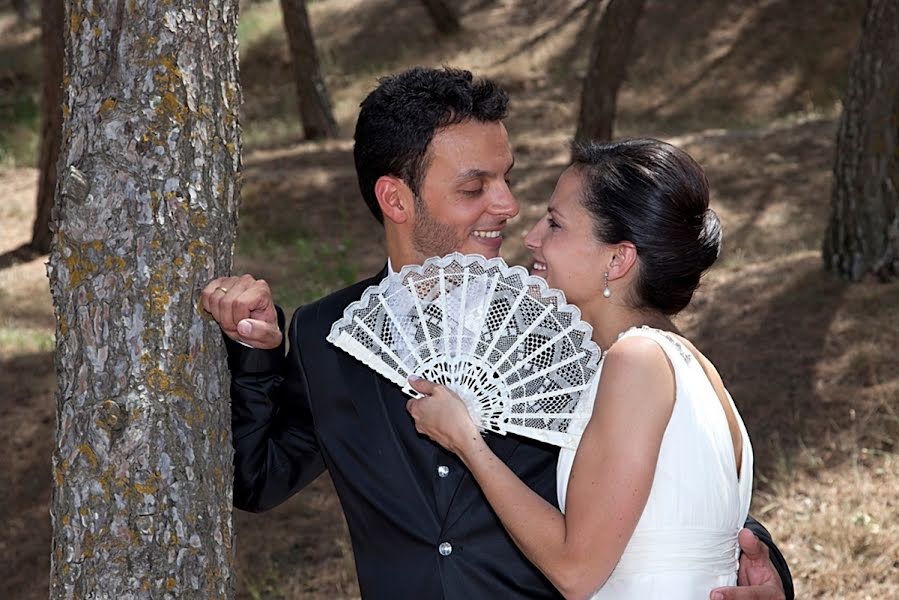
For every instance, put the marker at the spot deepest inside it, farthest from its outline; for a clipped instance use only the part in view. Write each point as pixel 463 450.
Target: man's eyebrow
pixel 473 174
pixel 479 173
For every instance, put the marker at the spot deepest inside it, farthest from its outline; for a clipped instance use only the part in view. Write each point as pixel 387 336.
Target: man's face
pixel 465 198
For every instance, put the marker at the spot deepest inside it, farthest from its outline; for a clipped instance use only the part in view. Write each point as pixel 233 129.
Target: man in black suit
pixel 433 161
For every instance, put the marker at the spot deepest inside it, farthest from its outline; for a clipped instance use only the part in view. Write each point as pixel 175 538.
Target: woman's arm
pixel 610 480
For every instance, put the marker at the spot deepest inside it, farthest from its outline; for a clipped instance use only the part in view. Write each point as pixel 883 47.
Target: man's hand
pixel 757 578
pixel 244 309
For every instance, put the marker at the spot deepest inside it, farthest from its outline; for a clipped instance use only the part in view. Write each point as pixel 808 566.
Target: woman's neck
pixel 610 318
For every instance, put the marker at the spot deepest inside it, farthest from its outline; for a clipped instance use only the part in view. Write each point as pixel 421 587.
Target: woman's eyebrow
pixel 555 212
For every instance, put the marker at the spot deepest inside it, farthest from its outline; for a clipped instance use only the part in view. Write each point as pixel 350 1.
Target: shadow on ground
pixel 767 345
pixel 27 417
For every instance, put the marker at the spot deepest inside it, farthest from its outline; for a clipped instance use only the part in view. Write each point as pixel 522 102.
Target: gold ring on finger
pixel 223 290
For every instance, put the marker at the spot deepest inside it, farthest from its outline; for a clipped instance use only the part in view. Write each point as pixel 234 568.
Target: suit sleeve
pixel 276 450
pixel 776 557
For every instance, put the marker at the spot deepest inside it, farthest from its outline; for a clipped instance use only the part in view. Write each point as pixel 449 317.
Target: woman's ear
pixel 624 257
pixel 394 198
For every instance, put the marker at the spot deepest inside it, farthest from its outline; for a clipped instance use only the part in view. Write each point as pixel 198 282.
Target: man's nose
pixel 504 203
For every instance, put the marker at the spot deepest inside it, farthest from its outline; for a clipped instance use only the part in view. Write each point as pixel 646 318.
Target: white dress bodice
pixel 685 543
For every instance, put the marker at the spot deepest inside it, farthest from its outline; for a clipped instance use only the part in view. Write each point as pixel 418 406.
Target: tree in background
pixel 863 233
pixel 23 10
pixel 146 214
pixel 52 57
pixel 442 14
pixel 609 58
pixel 315 107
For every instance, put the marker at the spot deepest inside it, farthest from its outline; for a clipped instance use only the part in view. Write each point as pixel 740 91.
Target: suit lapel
pixel 380 403
pixel 377 403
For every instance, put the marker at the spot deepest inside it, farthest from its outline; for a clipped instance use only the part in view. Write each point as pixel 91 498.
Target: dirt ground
pixel 748 88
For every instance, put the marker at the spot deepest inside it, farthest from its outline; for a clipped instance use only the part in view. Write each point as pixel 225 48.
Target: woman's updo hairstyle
pixel 654 195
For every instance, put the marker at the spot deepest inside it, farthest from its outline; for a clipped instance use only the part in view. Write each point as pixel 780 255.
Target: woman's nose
pixel 532 239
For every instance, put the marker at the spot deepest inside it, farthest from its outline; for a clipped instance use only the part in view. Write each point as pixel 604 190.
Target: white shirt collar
pixel 390 270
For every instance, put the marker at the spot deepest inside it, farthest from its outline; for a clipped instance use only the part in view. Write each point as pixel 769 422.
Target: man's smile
pixel 492 238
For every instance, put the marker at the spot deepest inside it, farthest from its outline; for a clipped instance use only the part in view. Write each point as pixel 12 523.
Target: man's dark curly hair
pixel 398 120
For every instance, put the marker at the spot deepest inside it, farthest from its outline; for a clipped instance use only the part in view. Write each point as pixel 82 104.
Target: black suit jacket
pixel 419 523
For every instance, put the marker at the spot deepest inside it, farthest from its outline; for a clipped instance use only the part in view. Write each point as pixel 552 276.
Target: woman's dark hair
pixel 656 196
pixel 398 120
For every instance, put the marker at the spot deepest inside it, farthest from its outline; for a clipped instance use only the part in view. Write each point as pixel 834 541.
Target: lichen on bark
pixel 146 214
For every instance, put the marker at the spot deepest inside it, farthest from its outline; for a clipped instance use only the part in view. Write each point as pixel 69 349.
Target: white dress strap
pixel 672 347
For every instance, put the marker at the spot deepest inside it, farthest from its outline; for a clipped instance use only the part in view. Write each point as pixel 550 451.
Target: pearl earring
pixel 606 293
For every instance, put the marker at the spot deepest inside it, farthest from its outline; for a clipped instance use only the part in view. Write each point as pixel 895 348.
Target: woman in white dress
pixel 654 497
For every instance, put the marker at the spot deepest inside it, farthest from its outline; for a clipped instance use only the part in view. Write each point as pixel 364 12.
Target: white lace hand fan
pixel 510 346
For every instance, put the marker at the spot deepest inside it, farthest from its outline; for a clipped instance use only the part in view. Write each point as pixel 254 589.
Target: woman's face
pixel 566 252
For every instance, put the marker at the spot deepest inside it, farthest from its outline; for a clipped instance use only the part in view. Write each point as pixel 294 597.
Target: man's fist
pixel 244 309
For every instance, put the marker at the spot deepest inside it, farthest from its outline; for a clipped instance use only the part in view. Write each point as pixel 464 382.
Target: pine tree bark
pixel 51 124
pixel 312 95
pixel 147 205
pixel 443 16
pixel 863 232
pixel 607 68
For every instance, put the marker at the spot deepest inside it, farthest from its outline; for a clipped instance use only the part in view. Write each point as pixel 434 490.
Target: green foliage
pixel 20 134
pixel 327 267
pixel 300 270
pixel 20 114
pixel 258 20
pixel 24 340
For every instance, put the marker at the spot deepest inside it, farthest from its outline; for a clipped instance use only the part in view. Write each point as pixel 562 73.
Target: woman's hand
pixel 442 416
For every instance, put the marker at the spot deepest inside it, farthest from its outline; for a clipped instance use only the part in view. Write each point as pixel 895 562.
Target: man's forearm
pixel 275 448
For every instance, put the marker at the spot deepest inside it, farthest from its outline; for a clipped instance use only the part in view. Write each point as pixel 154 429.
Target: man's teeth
pixel 538 266
pixel 487 234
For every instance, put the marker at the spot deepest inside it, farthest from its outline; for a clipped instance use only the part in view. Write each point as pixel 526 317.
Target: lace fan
pixel 517 354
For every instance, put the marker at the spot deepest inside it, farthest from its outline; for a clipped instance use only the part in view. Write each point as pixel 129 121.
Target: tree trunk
pixel 863 233
pixel 22 10
pixel 51 124
pixel 146 214
pixel 444 17
pixel 609 58
pixel 315 107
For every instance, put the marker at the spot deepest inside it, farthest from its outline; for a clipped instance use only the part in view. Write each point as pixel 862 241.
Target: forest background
pixel 752 89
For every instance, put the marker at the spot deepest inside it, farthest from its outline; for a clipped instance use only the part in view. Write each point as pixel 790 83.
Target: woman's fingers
pixel 422 386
